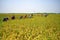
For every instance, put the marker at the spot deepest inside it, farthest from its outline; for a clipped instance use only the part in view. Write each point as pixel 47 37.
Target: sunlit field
pixel 36 28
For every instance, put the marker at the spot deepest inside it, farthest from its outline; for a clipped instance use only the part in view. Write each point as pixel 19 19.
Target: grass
pixel 36 28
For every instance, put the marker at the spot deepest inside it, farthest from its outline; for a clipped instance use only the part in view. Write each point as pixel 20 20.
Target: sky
pixel 29 6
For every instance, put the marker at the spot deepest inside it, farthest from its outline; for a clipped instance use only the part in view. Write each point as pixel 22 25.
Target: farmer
pixel 13 17
pixel 30 16
pixel 5 19
pixel 21 17
pixel 25 16
pixel 45 15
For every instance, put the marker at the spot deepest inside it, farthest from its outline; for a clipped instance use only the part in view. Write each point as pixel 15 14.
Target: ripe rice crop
pixel 36 28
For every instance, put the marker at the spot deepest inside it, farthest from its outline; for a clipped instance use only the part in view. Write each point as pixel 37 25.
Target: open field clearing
pixel 36 28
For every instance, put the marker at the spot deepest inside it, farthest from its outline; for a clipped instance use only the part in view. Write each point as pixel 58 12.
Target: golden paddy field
pixel 36 28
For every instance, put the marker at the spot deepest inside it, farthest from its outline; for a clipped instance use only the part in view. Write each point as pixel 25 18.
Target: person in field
pixel 21 17
pixel 31 15
pixel 5 19
pixel 25 16
pixel 13 17
pixel 45 14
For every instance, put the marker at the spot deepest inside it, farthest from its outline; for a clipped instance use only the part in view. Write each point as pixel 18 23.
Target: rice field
pixel 36 28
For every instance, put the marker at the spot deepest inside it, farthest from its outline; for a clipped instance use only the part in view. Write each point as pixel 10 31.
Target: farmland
pixel 36 28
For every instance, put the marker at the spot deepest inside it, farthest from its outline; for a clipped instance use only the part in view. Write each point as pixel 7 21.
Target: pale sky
pixel 29 6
